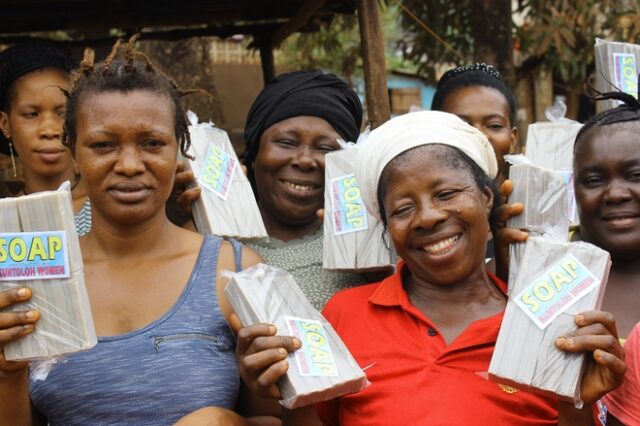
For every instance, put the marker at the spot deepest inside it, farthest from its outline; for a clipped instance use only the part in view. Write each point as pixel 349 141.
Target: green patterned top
pixel 302 258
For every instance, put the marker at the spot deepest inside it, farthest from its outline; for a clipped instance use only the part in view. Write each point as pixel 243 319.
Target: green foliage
pixel 336 47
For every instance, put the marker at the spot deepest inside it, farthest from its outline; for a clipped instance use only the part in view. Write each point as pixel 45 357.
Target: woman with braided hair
pixel 32 77
pixel 606 167
pixel 165 350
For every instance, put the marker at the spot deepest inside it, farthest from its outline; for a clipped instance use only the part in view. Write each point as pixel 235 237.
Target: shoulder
pixel 229 250
pixel 349 300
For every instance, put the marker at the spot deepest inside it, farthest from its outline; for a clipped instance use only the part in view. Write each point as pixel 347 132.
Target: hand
pixel 262 357
pixel 605 368
pixel 504 236
pixel 14 325
pixel 184 195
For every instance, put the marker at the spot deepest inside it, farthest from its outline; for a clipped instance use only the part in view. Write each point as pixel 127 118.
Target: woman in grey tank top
pixel 165 349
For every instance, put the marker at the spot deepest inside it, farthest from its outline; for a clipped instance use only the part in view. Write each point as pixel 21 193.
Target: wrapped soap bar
pixel 352 237
pixel 617 67
pixel 39 248
pixel 322 368
pixel 555 281
pixel 227 205
pixel 544 195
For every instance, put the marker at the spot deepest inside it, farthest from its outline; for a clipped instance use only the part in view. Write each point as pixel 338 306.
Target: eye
pixel 592 181
pixel 402 210
pixel 634 175
pixel 101 146
pixel 327 148
pixel 285 143
pixel 447 194
pixel 495 126
pixel 30 114
pixel 154 144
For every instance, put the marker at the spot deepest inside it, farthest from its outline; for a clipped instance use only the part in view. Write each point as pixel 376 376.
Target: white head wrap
pixel 415 129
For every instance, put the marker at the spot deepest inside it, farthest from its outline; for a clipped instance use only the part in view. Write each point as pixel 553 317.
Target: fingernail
pixel 561 341
pixel 579 318
pixel 28 327
pixel 282 351
pixel 22 292
pixel 272 329
pixel 284 364
pixel 297 342
pixel 31 314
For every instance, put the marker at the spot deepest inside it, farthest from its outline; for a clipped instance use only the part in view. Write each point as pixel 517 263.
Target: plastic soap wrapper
pixel 550 145
pixel 555 281
pixel 544 195
pixel 323 368
pixel 352 238
pixel 227 205
pixel 39 249
pixel 617 68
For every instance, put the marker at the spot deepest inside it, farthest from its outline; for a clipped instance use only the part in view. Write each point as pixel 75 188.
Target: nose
pixel 428 215
pixel 617 192
pixel 129 161
pixel 304 158
pixel 50 126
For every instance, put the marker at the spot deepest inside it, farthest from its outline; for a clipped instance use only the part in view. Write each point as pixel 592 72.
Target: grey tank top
pixel 181 362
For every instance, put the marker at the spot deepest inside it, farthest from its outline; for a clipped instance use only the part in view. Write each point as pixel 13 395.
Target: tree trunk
pixel 492 31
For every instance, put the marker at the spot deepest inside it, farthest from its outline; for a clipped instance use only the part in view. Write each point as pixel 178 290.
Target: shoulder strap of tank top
pixel 237 253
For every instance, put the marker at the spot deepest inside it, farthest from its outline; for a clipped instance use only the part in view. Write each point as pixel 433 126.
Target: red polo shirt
pixel 416 379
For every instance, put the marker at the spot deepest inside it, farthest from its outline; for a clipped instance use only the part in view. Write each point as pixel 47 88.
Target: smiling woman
pixel 293 123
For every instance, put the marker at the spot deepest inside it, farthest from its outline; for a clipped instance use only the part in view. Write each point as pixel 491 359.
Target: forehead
pixel 609 144
pixel 302 124
pixel 116 109
pixel 425 163
pixel 42 83
pixel 476 100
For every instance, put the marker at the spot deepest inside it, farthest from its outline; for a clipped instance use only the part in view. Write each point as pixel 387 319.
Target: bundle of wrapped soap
pixel 39 249
pixel 226 206
pixel 616 69
pixel 353 238
pixel 322 368
pixel 555 281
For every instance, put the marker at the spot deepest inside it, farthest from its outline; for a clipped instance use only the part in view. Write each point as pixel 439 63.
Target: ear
pixel 487 195
pixel 4 124
pixel 514 139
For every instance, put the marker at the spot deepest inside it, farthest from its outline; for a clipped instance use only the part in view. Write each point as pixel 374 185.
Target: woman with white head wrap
pixel 425 332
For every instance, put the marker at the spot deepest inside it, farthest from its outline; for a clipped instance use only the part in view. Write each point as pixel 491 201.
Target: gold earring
pixel 13 160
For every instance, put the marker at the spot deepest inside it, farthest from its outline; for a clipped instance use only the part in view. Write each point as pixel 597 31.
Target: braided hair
pixel 22 59
pixel 124 70
pixel 478 74
pixel 628 111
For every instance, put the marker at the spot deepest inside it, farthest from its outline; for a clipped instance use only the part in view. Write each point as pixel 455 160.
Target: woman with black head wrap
pixel 292 124
pixel 32 103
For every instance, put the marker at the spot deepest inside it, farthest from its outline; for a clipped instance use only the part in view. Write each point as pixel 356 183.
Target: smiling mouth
pixel 299 187
pixel 441 247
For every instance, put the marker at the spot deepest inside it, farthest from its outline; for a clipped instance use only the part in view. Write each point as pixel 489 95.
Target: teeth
pixel 441 246
pixel 300 187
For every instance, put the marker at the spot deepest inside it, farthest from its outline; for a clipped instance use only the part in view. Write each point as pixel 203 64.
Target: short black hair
pixel 124 70
pixel 478 74
pixel 627 112
pixel 455 159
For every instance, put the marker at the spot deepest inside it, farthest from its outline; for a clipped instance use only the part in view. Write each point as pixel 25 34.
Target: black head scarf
pixel 303 93
pixel 22 59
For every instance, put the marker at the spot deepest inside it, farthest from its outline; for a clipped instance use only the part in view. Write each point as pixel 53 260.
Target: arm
pixel 15 405
pixel 604 369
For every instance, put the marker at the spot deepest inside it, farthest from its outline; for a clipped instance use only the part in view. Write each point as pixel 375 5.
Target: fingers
pixel 506 236
pixel 261 337
pixel 507 211
pixel 186 199
pixel 596 333
pixel 597 317
pixel 12 319
pixel 235 323
pixel 13 296
pixel 320 214
pixel 506 188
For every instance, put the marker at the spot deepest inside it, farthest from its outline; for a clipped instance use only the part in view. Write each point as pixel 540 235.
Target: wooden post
pixel 266 57
pixel 372 45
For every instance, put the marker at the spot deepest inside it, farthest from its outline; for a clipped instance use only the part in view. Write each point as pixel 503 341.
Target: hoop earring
pixel 13 160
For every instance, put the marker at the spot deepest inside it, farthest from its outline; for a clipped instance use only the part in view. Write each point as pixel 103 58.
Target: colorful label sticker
pixel 348 211
pixel 217 171
pixel 625 73
pixel 314 358
pixel 553 292
pixel 33 256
